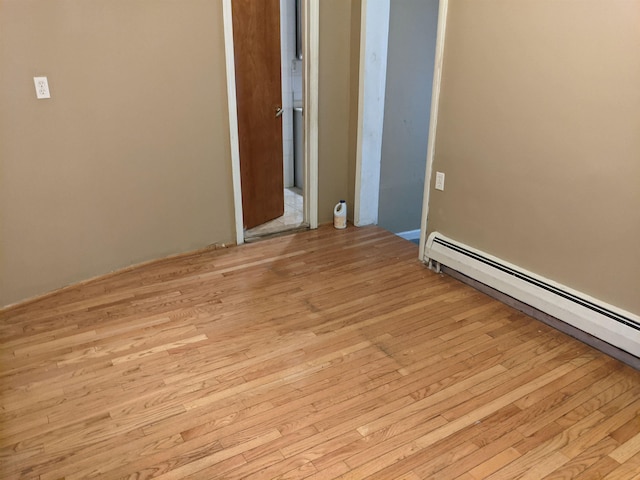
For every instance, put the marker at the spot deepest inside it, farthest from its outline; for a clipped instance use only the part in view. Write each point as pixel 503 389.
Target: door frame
pixel 443 8
pixel 310 35
pixel 368 158
pixel 374 42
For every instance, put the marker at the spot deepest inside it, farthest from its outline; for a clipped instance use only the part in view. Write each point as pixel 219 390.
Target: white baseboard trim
pixel 410 234
pixel 607 322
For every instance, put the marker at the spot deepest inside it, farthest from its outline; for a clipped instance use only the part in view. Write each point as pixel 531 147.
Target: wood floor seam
pixel 324 354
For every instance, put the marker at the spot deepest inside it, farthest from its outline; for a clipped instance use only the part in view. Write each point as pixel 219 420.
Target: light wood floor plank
pixel 321 355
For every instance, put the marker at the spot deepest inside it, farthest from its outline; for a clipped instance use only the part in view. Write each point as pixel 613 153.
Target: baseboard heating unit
pixel 606 322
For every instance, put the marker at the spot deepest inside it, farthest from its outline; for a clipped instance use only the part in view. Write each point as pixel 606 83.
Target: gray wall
pixel 412 39
pixel 538 134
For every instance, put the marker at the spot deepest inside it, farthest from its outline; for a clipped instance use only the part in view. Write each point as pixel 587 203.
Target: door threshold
pixel 291 219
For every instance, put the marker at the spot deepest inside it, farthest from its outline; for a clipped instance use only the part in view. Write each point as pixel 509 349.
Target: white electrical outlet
pixel 42 87
pixel 439 181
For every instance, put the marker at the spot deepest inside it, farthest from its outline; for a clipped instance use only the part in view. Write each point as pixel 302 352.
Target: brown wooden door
pixel 256 39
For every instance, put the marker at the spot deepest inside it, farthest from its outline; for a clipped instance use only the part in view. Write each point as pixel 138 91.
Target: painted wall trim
pixel 374 40
pixel 357 189
pixel 409 234
pixel 311 11
pixel 433 120
pixel 233 119
pixel 602 320
pixel 310 81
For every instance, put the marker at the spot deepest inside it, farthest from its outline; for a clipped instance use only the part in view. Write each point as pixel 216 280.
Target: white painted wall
pixel 373 74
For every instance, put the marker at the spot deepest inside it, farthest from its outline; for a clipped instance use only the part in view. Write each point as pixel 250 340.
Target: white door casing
pixel 311 20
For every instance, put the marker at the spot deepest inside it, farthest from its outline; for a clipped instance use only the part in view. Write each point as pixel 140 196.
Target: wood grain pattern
pixel 321 355
pixel 256 45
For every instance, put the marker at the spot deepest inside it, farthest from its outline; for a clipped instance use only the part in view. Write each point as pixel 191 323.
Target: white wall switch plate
pixel 42 87
pixel 439 181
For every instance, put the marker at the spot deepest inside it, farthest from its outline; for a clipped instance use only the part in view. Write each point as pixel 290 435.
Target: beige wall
pixel 539 137
pixel 337 96
pixel 129 160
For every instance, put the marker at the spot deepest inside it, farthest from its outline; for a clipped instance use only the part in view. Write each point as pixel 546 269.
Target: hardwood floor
pixel 325 354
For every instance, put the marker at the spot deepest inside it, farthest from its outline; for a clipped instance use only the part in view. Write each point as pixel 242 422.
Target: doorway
pixel 291 60
pixel 411 16
pixel 406 115
pixel 298 204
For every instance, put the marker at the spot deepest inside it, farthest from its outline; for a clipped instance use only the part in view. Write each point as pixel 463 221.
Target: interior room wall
pixel 337 99
pixel 129 160
pixel 412 23
pixel 538 138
